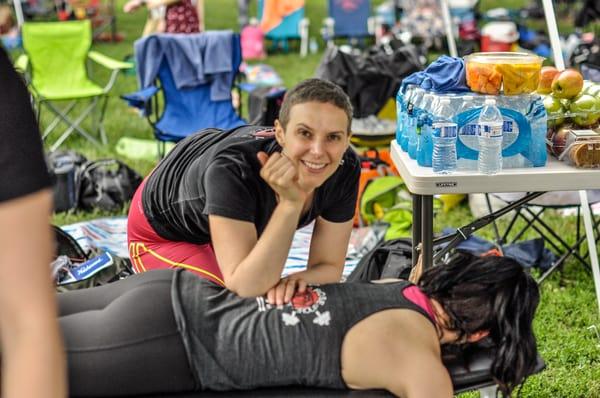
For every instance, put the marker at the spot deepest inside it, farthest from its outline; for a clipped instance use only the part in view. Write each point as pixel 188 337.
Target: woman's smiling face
pixel 315 139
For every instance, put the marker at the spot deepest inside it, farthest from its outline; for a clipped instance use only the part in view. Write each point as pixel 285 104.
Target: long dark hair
pixel 495 294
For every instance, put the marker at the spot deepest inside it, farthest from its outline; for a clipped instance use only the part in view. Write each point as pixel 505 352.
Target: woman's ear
pixel 279 133
pixel 475 337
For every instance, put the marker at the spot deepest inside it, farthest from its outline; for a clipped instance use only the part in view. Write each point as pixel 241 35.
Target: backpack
pixel 264 104
pixel 74 269
pixel 106 184
pixel 389 259
pixel 63 167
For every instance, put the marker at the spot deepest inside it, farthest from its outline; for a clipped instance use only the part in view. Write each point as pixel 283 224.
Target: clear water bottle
pixel 468 133
pixel 490 138
pixel 444 139
pixel 424 144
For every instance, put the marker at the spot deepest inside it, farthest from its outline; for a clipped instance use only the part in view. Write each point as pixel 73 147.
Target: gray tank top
pixel 245 343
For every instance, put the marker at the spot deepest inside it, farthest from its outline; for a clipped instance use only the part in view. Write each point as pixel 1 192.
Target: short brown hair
pixel 315 90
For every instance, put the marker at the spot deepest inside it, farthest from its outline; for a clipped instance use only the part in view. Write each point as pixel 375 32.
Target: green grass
pixel 568 306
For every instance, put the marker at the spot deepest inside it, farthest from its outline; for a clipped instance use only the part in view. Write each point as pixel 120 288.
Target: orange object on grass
pixel 376 163
pixel 275 10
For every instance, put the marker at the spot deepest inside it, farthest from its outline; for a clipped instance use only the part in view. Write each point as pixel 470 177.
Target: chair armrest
pixel 109 62
pixel 141 99
pixel 22 63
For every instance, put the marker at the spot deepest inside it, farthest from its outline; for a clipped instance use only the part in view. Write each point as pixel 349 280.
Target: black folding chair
pixel 532 214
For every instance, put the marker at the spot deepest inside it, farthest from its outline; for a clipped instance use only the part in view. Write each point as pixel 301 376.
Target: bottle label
pixel 510 133
pixel 445 130
pixel 469 134
pixel 490 131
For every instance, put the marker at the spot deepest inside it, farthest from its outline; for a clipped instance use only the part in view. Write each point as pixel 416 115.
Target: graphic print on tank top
pixel 302 304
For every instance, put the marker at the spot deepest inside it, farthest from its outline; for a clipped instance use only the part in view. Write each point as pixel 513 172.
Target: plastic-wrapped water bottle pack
pixel 426 120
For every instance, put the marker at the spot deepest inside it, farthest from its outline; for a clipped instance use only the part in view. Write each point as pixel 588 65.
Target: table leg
pixel 427 231
pixel 589 231
pixel 416 227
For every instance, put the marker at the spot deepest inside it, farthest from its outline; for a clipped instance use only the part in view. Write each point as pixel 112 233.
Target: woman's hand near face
pixel 283 292
pixel 282 176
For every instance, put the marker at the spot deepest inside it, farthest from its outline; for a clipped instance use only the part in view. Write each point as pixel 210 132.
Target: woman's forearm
pixel 33 361
pixel 320 273
pixel 262 267
pixel 158 3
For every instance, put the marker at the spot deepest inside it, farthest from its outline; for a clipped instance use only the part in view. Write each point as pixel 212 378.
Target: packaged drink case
pixel 414 112
pixel 490 125
pixel 523 130
pixel 424 128
pixel 444 135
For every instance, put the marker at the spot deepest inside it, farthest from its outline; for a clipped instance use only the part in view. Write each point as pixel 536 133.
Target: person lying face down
pixel 227 209
pixel 169 331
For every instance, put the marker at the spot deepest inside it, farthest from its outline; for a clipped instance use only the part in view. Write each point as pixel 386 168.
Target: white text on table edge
pixel 446 184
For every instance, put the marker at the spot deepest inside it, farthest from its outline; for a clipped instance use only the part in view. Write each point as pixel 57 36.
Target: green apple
pixel 593 90
pixel 587 109
pixel 555 109
pixel 586 85
pixel 567 84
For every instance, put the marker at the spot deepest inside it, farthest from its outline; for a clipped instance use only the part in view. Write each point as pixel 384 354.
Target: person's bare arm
pixel 33 363
pixel 200 11
pixel 157 3
pixel 251 266
pixel 328 247
pixel 422 376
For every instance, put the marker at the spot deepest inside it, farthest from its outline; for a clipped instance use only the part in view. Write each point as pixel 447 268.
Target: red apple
pixel 567 84
pixel 559 139
pixel 547 74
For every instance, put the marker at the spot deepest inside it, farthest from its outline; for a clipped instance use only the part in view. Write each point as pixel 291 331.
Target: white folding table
pixel 555 176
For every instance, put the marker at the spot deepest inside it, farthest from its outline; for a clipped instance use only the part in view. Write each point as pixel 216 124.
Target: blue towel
pixel 529 253
pixel 194 59
pixel 446 74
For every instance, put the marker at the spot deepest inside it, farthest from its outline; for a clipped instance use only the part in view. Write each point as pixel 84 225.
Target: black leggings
pixel 122 339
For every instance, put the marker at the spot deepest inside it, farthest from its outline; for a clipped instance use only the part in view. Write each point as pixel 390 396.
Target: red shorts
pixel 148 251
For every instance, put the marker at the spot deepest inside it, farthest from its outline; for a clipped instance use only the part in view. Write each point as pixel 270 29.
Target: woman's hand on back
pixel 283 292
pixel 282 176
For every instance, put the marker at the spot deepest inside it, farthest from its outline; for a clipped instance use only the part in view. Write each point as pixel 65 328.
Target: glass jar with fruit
pixel 503 72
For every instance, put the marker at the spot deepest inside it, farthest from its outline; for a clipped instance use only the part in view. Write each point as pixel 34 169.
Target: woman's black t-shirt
pixel 22 167
pixel 217 172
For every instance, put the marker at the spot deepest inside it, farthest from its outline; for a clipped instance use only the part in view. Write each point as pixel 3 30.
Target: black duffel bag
pixel 106 184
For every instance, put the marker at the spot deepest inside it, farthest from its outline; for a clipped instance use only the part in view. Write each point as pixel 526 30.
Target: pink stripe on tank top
pixel 417 297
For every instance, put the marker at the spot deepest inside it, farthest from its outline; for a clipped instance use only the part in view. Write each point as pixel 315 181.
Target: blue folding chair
pixel 293 26
pixel 196 90
pixel 348 19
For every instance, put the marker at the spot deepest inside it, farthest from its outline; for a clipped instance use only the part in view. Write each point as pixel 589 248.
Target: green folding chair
pixel 56 72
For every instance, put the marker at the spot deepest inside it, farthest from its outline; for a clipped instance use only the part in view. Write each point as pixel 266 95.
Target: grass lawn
pixel 568 306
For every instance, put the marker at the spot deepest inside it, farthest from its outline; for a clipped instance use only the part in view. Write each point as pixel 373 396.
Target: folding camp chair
pixel 531 213
pixel 348 19
pixel 283 20
pixel 57 52
pixel 195 74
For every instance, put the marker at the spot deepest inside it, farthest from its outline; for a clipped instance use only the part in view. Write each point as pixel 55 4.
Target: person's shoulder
pixel 351 156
